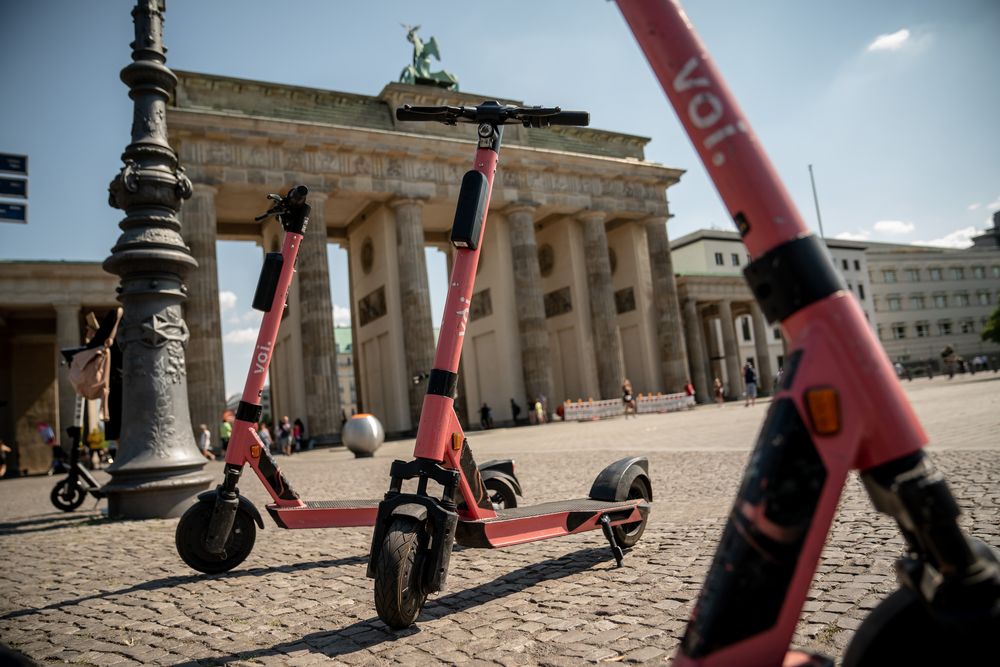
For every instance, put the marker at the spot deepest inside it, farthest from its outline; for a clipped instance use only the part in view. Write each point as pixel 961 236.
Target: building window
pixel 917 302
pixel 935 274
pixel 984 298
pixel 736 259
pixel 895 303
pixel 898 331
pixel 957 273
pixel 923 329
pixel 978 272
pixel 857 265
pixel 967 327
pixel 889 276
pixel 940 301
pixel 745 321
pixel 718 259
pixel 944 328
pixel 843 263
pixel 996 271
pixel 777 333
pixel 961 299
pixel 912 275
pixel 881 333
pixel 861 292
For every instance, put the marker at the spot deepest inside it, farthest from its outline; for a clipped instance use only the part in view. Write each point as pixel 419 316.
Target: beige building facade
pixel 42 309
pixel 568 300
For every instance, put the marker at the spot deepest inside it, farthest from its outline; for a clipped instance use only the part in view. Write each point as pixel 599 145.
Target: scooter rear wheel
pixel 399 591
pixel 67 495
pixel 627 534
pixel 190 539
pixel 501 493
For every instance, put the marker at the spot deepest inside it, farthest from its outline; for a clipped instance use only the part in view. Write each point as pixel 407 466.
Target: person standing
pixel 515 410
pixel 265 436
pixel 205 442
pixel 539 411
pixel 298 434
pixel 750 378
pixel 486 416
pixel 285 436
pixel 225 433
pixel 718 391
pixel 628 398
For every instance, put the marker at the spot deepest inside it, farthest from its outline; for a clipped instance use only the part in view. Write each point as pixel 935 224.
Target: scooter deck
pixel 326 514
pixel 538 522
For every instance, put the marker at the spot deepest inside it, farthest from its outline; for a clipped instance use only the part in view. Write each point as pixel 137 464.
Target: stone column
pixel 415 299
pixel 673 351
pixel 731 350
pixel 67 335
pixel 319 345
pixel 536 357
pixel 359 401
pixel 697 356
pixel 603 317
pixel 765 374
pixel 206 375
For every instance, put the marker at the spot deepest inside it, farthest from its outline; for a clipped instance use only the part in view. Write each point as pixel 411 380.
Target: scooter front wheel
pixel 399 590
pixel 192 530
pixel 67 495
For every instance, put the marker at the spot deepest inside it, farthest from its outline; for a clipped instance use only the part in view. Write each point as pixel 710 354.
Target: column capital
pixel 592 216
pixel 405 200
pixel 652 220
pixel 521 206
pixel 317 196
pixel 66 306
pixel 204 189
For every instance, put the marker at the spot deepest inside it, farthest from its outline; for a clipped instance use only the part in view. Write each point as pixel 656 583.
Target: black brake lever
pixel 279 207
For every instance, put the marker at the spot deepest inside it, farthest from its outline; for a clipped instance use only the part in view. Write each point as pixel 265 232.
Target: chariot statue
pixel 419 72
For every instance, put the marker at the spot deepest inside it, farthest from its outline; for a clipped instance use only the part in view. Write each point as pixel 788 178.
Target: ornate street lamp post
pixel 158 468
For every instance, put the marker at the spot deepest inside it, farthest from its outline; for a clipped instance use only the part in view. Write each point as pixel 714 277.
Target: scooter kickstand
pixel 616 550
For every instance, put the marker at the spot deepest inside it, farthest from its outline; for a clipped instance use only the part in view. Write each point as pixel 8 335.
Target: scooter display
pixel 218 532
pixel 839 407
pixel 415 530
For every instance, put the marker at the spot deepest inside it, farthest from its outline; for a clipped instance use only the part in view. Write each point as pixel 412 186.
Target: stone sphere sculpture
pixel 363 434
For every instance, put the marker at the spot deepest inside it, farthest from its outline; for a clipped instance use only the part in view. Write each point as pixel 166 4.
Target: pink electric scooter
pixel 218 532
pixel 839 407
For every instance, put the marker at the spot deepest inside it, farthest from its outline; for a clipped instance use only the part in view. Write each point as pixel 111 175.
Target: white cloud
pixel 960 238
pixel 890 42
pixel 227 300
pixel 994 205
pixel 973 207
pixel 341 316
pixel 241 336
pixel 862 235
pixel 896 227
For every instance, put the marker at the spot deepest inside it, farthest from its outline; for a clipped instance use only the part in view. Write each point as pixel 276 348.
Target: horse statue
pixel 419 71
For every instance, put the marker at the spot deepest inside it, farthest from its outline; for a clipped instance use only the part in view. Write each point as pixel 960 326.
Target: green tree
pixel 991 332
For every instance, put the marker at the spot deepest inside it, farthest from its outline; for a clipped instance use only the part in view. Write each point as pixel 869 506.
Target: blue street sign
pixel 14 187
pixel 14 164
pixel 13 212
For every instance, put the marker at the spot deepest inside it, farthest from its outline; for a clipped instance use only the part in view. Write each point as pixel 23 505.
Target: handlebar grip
pixel 581 118
pixel 421 113
pixel 297 195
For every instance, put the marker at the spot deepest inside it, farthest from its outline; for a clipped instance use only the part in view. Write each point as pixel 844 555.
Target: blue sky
pixel 895 103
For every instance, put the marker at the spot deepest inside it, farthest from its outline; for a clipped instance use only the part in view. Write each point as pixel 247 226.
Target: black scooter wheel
pixel 399 589
pixel 627 534
pixel 190 539
pixel 67 495
pixel 501 493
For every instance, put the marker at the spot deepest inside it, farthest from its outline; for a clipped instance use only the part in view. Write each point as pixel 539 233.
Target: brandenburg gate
pixel 575 289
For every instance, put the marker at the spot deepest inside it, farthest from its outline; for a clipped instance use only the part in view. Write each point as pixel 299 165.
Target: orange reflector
pixel 255 451
pixel 456 441
pixel 823 405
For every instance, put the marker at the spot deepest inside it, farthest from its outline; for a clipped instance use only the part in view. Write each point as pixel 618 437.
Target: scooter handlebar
pixel 493 112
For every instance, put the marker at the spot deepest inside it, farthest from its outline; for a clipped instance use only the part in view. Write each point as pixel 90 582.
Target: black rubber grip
pixel 435 114
pixel 581 118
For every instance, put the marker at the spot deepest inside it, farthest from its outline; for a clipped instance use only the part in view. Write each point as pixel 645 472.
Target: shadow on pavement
pixel 168 582
pixel 364 634
pixel 50 522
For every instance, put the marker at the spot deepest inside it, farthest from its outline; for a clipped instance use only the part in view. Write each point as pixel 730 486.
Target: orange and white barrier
pixel 613 407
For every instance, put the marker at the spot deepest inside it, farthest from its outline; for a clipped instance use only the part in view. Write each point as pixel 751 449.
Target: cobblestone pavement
pixel 78 588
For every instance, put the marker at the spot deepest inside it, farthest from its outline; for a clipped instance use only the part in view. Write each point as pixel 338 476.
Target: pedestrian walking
pixel 486 416
pixel 225 433
pixel 628 398
pixel 298 434
pixel 750 379
pixel 515 410
pixel 265 436
pixel 718 391
pixel 205 442
pixel 285 436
